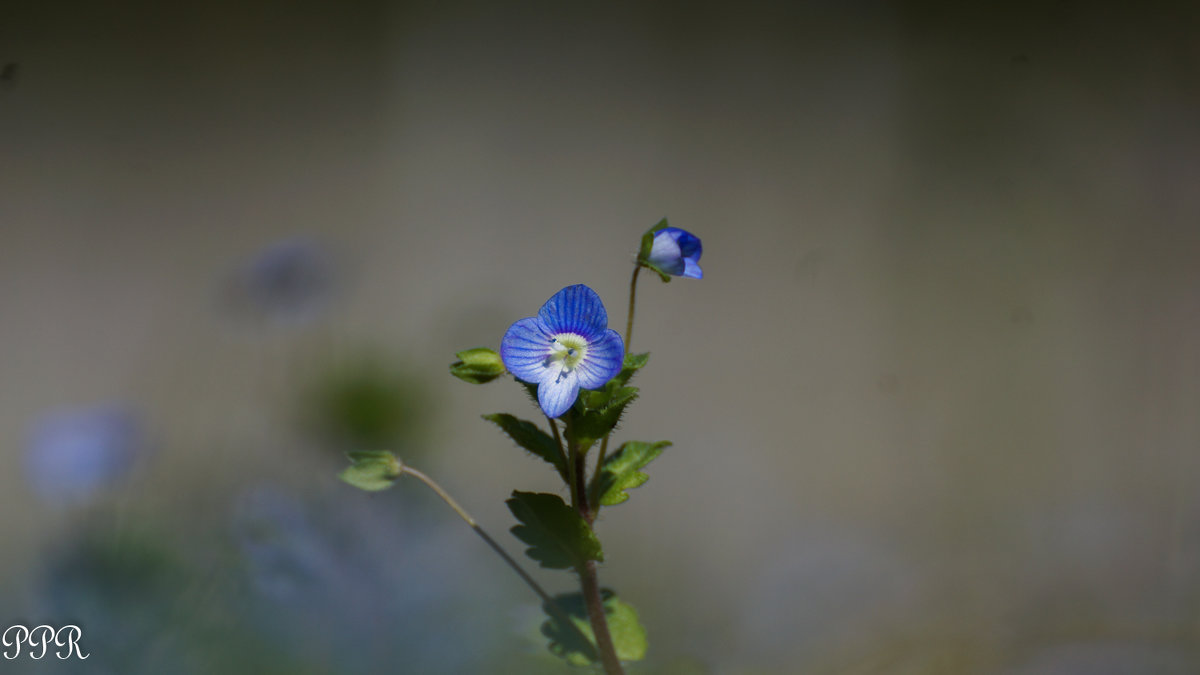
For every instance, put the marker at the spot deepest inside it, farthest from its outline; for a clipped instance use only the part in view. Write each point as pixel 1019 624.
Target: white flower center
pixel 568 349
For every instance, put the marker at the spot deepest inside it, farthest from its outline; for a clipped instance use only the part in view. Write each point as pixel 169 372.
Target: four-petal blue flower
pixel 676 252
pixel 568 346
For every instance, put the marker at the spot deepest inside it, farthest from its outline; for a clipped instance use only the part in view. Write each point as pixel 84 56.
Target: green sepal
pixel 558 537
pixel 648 241
pixel 567 643
pixel 478 365
pixel 622 470
pixel 666 278
pixel 643 258
pixel 372 470
pixel 529 436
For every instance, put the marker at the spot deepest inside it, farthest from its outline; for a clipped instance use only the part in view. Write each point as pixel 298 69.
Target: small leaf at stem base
pixel 628 635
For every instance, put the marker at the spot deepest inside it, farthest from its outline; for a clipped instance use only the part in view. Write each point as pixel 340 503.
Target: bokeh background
pixel 934 404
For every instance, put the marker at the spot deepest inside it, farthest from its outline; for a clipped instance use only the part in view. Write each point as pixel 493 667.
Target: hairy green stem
pixel 589 584
pixel 595 610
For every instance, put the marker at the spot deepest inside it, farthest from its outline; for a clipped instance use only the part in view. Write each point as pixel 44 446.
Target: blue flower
pixel 73 454
pixel 566 347
pixel 676 252
pixel 290 281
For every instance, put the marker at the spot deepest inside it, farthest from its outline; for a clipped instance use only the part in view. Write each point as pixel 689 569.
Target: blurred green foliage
pixel 368 404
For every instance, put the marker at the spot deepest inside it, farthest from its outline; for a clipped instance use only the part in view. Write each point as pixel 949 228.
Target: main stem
pixel 595 609
pixel 588 582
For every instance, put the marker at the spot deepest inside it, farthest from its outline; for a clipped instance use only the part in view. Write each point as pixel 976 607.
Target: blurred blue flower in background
pixel 676 252
pixel 566 347
pixel 290 282
pixel 283 552
pixel 74 453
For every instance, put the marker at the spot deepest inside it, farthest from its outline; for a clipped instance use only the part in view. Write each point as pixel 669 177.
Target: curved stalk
pixel 632 300
pixel 548 601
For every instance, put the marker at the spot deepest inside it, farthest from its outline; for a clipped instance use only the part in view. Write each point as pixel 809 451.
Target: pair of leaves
pixel 644 250
pixel 529 436
pixel 478 365
pixel 372 470
pixel 566 642
pixel 558 537
pixel 621 471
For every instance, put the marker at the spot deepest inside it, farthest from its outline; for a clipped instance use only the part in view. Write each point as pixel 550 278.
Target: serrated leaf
pixel 612 392
pixel 588 426
pixel 558 537
pixel 622 470
pixel 529 436
pixel 372 470
pixel 628 635
pixel 632 364
pixel 478 365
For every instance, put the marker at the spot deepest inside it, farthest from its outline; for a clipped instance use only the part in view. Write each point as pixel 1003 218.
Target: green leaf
pixel 477 366
pixel 632 364
pixel 598 412
pixel 614 392
pixel 588 426
pixel 558 537
pixel 628 635
pixel 372 470
pixel 529 436
pixel 622 470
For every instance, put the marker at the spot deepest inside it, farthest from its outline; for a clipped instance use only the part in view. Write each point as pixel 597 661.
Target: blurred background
pixel 934 404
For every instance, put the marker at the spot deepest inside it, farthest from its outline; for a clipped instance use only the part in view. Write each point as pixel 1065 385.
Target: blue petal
pixel 689 244
pixel 602 361
pixel 556 394
pixel 692 269
pixel 524 350
pixel 665 253
pixel 575 309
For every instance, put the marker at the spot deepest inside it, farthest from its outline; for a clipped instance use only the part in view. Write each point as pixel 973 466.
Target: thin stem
pixel 628 339
pixel 632 301
pixel 547 601
pixel 478 530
